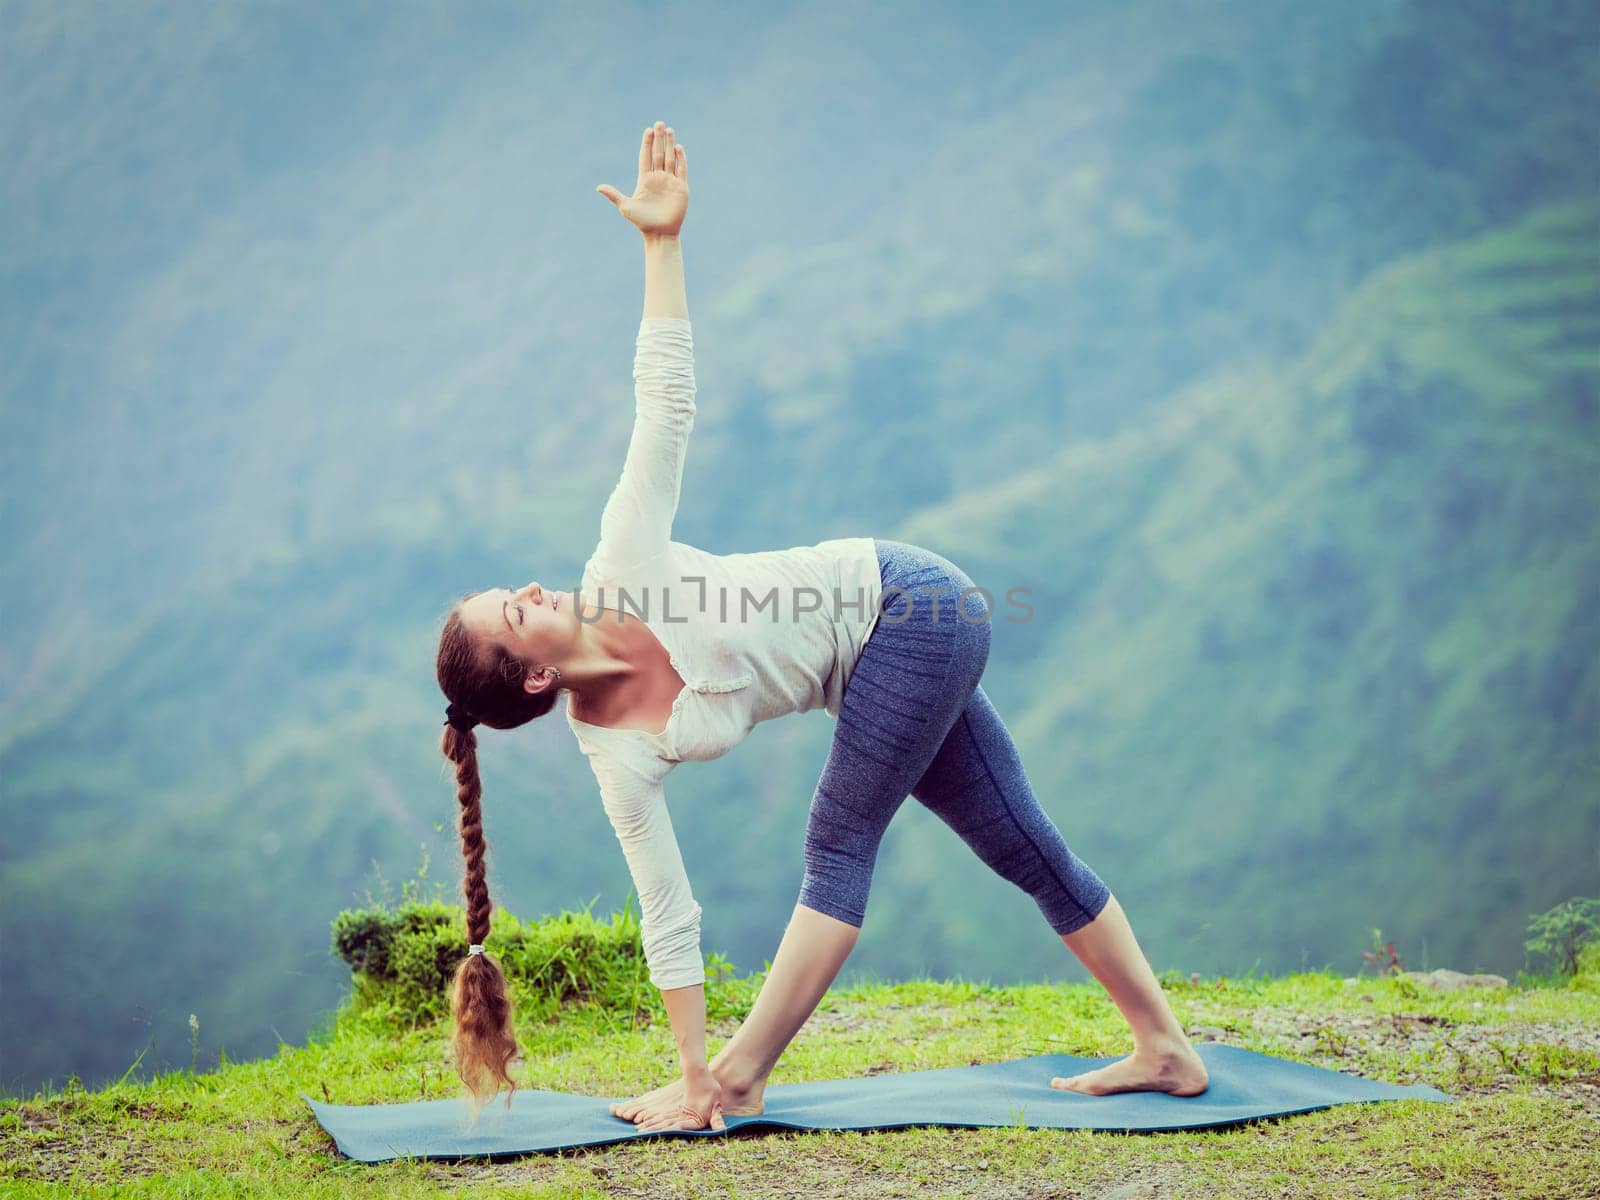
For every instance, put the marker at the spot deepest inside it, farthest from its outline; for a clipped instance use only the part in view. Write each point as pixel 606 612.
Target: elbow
pixel 679 940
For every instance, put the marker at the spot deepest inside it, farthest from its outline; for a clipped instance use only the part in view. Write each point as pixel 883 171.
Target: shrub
pixel 403 960
pixel 1567 936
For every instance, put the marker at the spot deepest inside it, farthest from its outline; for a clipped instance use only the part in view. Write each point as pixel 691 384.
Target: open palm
pixel 661 197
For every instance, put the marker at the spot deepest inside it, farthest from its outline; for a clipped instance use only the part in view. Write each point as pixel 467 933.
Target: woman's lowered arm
pixel 670 927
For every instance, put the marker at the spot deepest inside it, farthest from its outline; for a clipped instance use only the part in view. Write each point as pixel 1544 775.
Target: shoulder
pixel 619 756
pixel 603 572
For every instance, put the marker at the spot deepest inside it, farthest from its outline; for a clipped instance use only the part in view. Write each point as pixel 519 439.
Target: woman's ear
pixel 540 679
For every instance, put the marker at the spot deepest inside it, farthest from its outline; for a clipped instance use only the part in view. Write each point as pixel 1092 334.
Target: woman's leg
pixel 977 786
pixel 1162 1058
pixel 813 949
pixel 891 707
pixel 916 673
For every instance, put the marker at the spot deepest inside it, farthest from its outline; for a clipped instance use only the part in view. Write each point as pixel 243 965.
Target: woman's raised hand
pixel 661 197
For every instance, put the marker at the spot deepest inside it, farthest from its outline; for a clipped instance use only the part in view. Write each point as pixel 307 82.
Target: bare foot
pixel 1177 1070
pixel 665 1101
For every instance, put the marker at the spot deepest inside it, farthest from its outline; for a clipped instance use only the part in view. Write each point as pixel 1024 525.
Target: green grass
pixel 1523 1060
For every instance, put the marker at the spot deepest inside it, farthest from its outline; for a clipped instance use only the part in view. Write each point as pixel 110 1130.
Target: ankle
pixel 738 1073
pixel 1163 1045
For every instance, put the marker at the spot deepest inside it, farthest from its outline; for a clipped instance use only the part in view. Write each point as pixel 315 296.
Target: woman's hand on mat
pixel 661 196
pixel 701 1107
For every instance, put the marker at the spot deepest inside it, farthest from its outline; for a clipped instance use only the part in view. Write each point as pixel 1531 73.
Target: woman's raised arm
pixel 637 521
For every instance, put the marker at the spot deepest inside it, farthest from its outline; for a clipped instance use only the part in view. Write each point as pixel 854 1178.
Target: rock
pixel 1447 980
pixel 1132 1191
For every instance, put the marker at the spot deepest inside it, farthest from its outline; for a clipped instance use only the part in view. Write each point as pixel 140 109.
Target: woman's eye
pixel 520 621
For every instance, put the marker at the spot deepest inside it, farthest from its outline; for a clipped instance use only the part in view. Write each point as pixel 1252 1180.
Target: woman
pixel 670 654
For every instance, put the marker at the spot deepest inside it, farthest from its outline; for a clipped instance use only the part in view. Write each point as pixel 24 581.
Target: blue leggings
pixel 914 720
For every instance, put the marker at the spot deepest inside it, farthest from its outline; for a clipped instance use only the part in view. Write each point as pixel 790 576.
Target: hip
pixel 922 587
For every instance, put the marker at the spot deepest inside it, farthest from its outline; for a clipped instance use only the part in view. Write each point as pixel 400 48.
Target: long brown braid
pixel 486 682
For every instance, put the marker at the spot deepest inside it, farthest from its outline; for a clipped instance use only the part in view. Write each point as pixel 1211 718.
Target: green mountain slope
pixel 1320 650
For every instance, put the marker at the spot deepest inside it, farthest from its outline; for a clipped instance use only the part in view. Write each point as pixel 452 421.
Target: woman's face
pixel 538 626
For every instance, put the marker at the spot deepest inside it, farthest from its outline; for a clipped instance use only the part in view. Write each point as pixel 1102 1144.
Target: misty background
pixel 1259 341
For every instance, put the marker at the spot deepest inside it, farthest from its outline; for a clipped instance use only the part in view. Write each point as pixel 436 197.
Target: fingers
pixel 659 151
pixel 645 150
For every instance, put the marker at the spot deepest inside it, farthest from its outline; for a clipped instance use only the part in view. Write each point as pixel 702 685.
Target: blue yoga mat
pixel 1244 1085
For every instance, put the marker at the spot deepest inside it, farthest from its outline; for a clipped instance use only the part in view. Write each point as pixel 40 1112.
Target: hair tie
pixel 474 949
pixel 460 718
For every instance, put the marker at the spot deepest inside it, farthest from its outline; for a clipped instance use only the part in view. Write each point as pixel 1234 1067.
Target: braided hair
pixel 483 683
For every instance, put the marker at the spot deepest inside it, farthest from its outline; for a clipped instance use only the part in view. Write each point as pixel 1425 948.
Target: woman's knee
pixel 837 884
pixel 850 907
pixel 841 850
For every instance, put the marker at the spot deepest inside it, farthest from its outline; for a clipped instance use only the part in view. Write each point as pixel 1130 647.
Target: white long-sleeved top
pixel 754 636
